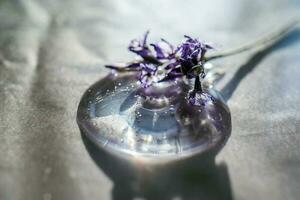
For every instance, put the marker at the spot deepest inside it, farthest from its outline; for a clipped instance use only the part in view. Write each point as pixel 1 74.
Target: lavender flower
pixel 162 62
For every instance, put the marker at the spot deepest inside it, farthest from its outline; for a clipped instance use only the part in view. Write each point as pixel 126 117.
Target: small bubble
pixel 105 143
pixel 149 138
pixel 172 108
pixel 114 72
pixel 218 117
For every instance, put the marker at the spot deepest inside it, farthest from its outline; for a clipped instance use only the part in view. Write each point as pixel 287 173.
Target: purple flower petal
pixel 134 66
pixel 159 51
pixel 172 64
pixel 140 47
pixel 145 38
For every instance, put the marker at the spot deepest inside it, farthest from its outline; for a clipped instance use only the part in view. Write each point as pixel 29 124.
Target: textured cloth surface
pixel 51 51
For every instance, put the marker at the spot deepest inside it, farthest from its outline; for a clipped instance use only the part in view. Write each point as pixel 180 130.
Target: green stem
pixel 197 85
pixel 272 37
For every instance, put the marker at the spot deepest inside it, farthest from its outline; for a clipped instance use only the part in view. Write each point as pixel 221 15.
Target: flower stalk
pixel 269 38
pixel 197 85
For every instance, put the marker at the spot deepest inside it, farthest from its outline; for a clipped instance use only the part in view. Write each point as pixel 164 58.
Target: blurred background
pixel 52 51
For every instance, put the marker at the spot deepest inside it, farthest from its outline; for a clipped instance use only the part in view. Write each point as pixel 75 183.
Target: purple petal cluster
pixel 163 62
pixel 147 74
pixel 191 57
pixel 140 47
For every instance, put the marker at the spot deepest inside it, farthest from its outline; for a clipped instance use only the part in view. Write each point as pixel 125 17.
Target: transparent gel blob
pixel 155 122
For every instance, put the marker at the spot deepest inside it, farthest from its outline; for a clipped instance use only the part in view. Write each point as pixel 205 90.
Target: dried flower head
pixel 163 62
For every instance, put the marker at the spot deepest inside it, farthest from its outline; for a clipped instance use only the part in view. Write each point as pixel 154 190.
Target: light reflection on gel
pixel 122 117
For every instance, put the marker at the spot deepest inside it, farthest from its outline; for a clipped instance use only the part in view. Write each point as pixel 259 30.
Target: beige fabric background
pixel 51 51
